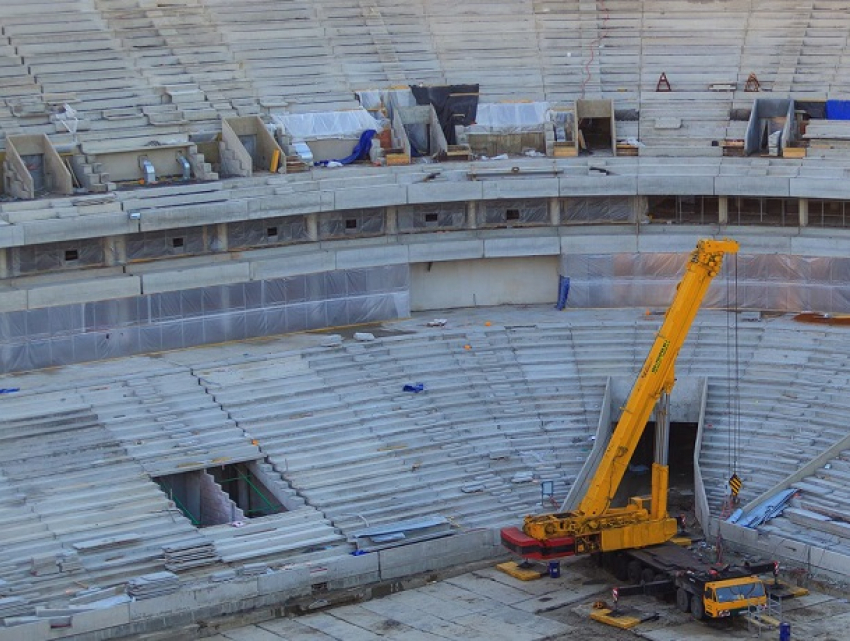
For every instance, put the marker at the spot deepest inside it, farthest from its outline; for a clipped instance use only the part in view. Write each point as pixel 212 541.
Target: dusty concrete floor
pixel 488 605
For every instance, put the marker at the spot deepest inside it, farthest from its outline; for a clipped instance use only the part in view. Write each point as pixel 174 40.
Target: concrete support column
pixel 312 227
pixel 804 212
pixel 471 215
pixel 392 221
pixel 221 237
pixel 555 211
pixel 193 494
pixel 723 210
pixel 244 496
pixel 4 264
pixel 640 206
pixel 115 250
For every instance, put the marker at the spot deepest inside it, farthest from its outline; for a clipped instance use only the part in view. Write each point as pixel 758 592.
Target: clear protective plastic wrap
pixel 268 231
pixel 608 209
pixel 161 244
pixel 328 124
pixel 34 259
pixel 352 222
pixel 510 117
pixel 514 212
pixel 769 282
pixel 421 218
pixel 68 334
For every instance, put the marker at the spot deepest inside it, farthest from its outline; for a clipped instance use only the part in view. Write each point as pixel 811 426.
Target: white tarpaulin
pixel 510 117
pixel 328 124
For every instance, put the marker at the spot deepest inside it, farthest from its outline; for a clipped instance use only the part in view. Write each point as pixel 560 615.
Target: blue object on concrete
pixel 563 292
pixel 415 388
pixel 838 109
pixel 784 632
pixel 9 390
pixel 554 569
pixel 361 149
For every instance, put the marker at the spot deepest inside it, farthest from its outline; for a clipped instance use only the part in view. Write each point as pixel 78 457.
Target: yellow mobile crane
pixel 595 526
pixel 638 533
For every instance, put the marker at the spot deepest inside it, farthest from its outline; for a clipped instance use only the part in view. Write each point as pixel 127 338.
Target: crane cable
pixel 733 371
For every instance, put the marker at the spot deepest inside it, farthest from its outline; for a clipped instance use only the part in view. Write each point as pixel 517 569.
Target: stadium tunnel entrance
pixel 223 494
pixel 638 478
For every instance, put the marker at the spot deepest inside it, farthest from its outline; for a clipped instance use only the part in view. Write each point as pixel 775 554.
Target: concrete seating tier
pixel 339 439
pixel 820 512
pixel 90 499
pixel 462 442
pixel 134 69
pixel 791 406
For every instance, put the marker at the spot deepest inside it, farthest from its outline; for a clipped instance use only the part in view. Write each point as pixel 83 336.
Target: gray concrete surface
pixel 489 605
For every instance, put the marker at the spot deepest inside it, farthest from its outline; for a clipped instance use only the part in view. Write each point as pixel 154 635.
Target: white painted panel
pixel 493 281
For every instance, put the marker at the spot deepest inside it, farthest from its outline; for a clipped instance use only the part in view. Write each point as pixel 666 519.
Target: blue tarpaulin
pixel 563 292
pixel 838 109
pixel 361 149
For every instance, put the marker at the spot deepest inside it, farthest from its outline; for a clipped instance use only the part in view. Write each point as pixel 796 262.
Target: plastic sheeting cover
pixel 765 282
pixel 428 217
pixel 329 124
pixel 510 117
pixel 521 212
pixel 611 209
pixel 78 333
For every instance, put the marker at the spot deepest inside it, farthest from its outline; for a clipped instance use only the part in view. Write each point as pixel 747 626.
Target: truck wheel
pixel 635 569
pixel 620 564
pixel 647 576
pixel 697 608
pixel 683 600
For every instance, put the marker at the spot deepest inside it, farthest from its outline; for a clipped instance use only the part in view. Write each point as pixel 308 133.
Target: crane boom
pixel 595 526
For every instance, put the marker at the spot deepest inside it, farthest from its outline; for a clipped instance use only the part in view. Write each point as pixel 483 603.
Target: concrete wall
pixel 235 156
pixel 268 595
pixel 125 164
pixel 235 159
pixel 18 180
pixel 685 399
pixel 494 281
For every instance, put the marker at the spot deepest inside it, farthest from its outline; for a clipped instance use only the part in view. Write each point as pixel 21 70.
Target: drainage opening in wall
pixel 222 494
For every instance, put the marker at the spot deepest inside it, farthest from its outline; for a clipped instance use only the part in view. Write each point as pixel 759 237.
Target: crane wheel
pixel 683 600
pixel 697 608
pixel 635 570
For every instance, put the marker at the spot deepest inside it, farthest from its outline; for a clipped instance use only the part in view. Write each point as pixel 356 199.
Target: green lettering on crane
pixel 657 364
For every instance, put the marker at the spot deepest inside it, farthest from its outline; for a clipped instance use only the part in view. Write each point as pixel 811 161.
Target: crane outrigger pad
pixel 521 571
pixel 623 618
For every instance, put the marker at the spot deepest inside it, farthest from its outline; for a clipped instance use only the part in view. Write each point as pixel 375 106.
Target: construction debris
pixel 149 586
pixel 44 564
pixel 253 569
pixel 15 606
pixel 401 533
pixel 189 555
pixel 764 511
